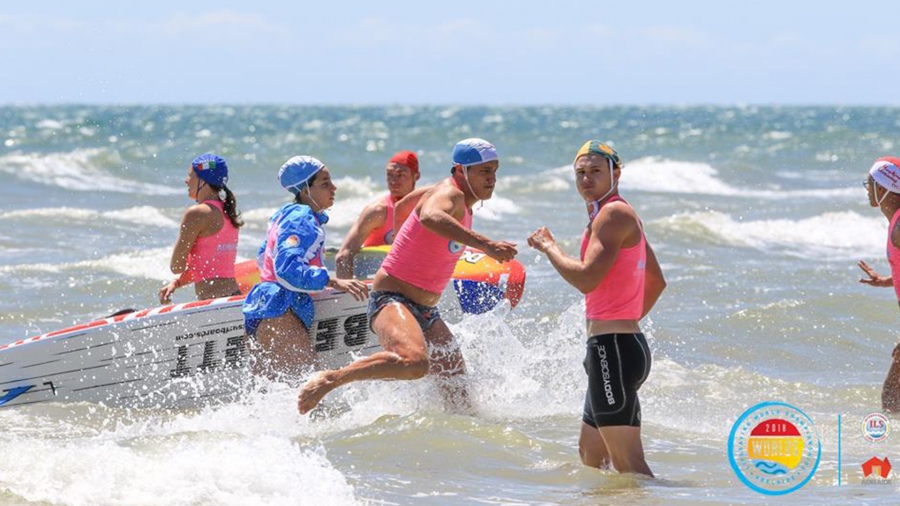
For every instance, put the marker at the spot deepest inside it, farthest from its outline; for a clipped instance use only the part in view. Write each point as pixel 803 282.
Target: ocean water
pixel 757 216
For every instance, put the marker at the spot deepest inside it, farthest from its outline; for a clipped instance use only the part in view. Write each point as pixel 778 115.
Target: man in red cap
pixel 375 225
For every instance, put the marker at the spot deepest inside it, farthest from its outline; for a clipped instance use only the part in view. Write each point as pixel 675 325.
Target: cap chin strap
pixel 886 193
pixel 308 194
pixel 466 175
pixel 294 187
pixel 200 184
pixel 594 206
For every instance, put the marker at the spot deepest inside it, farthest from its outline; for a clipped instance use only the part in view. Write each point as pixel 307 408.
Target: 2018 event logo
pixel 774 448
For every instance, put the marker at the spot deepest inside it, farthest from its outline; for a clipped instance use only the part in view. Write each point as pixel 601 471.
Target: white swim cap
pixel 886 172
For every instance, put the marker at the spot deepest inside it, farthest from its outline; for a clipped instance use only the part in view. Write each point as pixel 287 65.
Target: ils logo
pixel 876 427
pixel 877 471
pixel 454 247
pixel 774 448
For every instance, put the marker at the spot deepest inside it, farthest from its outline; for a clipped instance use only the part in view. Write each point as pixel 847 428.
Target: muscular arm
pixel 654 282
pixel 442 211
pixel 372 217
pixel 406 205
pixel 608 232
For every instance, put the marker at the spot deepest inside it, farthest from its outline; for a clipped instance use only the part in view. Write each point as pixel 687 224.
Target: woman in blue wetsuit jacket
pixel 278 311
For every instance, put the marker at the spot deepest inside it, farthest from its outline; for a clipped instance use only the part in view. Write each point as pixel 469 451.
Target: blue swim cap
pixel 297 171
pixel 212 169
pixel 473 151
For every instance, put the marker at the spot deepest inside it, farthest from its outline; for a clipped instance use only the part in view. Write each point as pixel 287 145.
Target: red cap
pixel 407 158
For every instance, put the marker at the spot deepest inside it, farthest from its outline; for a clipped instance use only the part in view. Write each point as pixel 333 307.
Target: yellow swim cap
pixel 598 148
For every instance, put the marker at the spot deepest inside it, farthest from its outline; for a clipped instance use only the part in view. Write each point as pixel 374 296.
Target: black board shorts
pixel 616 365
pixel 425 315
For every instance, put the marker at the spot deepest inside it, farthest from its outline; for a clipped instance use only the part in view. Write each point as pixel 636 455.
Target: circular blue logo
pixel 455 247
pixel 774 448
pixel 876 427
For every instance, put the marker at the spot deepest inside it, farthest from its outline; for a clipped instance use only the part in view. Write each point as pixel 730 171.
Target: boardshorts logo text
pixel 774 448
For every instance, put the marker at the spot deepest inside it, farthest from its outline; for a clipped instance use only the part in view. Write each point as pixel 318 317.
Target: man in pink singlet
pixel 402 306
pixel 883 186
pixel 621 280
pixel 375 225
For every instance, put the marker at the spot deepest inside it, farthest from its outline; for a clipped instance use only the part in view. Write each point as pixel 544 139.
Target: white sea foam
pixel 346 210
pixel 777 135
pixel 77 170
pixel 668 176
pixel 49 124
pixel 555 180
pixel 149 263
pixel 257 219
pixel 176 466
pixel 359 187
pixel 510 361
pixel 141 215
pixel 829 236
pixel 495 208
pixel 660 175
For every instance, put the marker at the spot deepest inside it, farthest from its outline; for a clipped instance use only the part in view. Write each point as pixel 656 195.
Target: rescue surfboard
pixel 195 353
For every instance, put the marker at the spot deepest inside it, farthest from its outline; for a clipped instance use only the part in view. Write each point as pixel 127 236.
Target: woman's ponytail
pixel 231 210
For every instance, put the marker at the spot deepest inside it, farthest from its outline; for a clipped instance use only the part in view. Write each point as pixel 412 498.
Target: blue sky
pixel 456 52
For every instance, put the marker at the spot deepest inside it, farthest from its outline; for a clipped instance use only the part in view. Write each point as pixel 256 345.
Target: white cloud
pixel 668 35
pixel 229 23
pixel 460 27
pixel 381 34
pixel 30 25
pixel 31 22
pixel 373 30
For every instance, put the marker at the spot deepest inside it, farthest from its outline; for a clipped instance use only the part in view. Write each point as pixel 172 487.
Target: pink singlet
pixel 422 258
pixel 893 254
pixel 620 296
pixel 267 266
pixel 385 233
pixel 213 257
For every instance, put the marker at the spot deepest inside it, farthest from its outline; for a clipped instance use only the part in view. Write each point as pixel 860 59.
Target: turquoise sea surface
pixel 757 215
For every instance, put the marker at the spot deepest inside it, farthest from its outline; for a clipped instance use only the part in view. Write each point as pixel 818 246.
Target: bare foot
pixel 313 390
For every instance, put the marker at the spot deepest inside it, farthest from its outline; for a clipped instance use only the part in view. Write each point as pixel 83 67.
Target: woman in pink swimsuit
pixel 207 242
pixel 883 186
pixel 621 280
